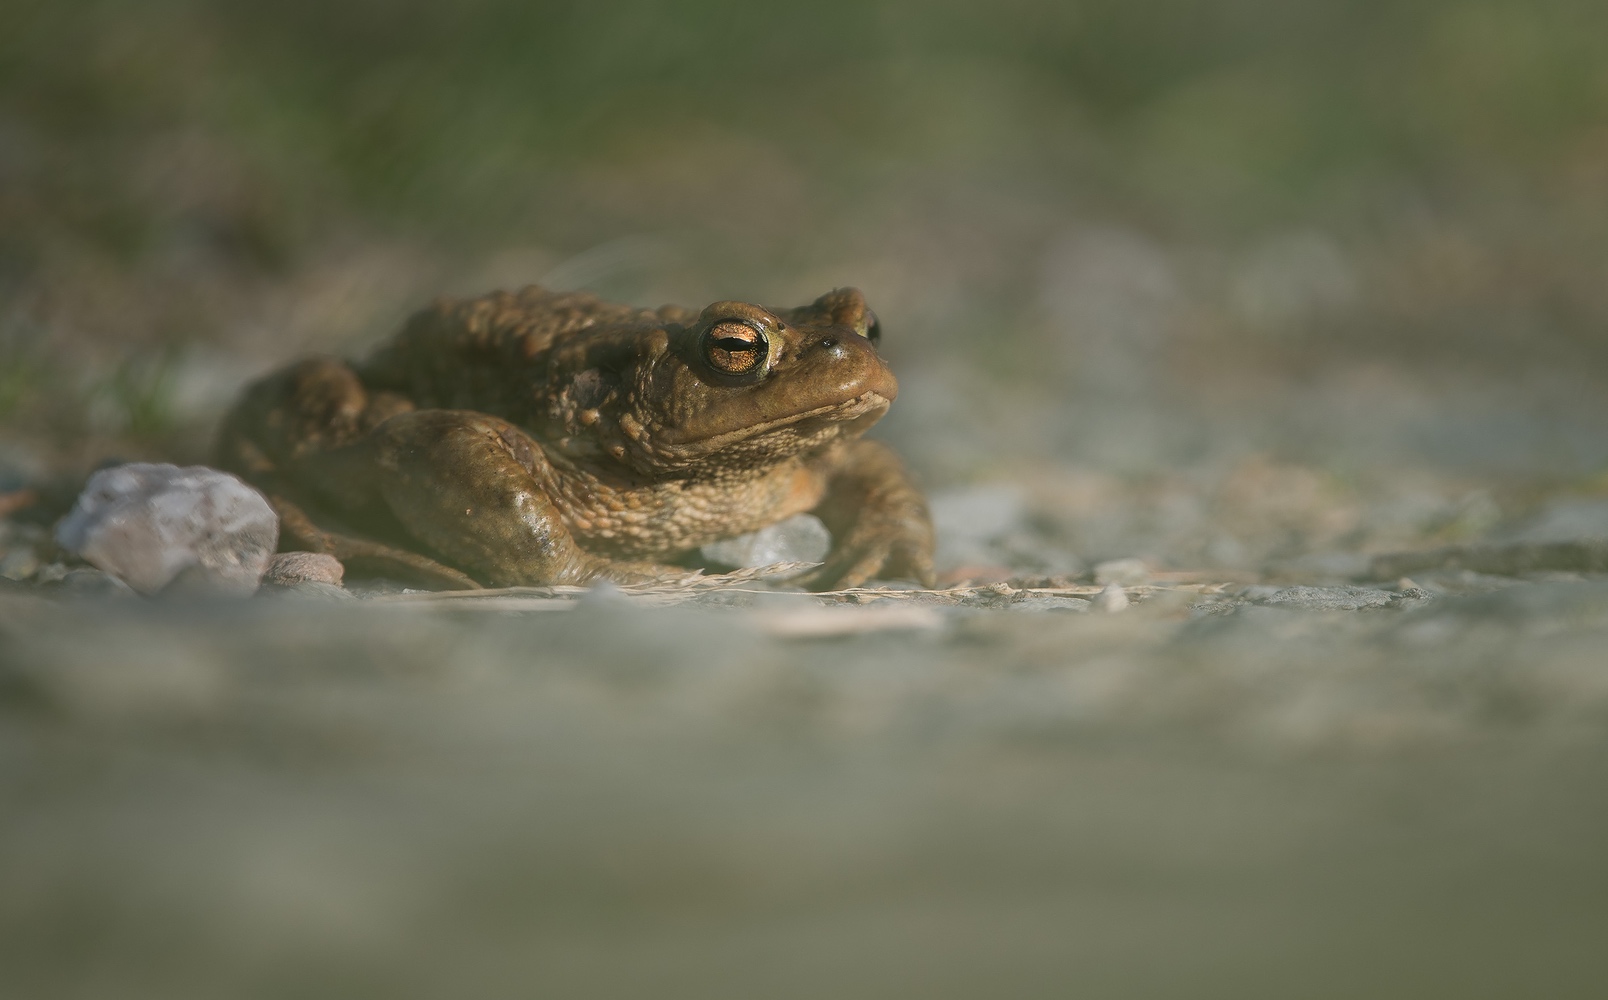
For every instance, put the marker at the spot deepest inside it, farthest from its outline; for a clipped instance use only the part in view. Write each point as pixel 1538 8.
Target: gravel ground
pixel 728 793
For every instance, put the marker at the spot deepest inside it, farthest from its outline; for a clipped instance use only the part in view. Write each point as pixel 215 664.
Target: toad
pixel 552 438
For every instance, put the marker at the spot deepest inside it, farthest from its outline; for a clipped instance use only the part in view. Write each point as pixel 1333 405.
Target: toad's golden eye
pixel 734 348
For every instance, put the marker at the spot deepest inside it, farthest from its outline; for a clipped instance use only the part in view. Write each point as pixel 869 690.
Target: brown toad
pixel 544 438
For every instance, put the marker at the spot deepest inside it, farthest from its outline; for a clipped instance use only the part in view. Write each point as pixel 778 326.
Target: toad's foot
pixel 879 523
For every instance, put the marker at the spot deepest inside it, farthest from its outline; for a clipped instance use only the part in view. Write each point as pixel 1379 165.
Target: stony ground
pixel 1123 781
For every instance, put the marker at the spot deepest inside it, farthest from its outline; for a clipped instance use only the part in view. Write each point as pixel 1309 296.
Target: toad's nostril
pixel 829 342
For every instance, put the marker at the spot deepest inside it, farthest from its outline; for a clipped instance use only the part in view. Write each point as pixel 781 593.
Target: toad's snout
pixel 846 365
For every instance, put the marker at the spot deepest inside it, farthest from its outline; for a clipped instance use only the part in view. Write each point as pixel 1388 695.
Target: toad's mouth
pixel 850 416
pixel 858 412
pixel 862 411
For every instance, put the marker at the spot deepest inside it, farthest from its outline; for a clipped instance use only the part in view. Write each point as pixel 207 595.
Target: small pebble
pixel 286 569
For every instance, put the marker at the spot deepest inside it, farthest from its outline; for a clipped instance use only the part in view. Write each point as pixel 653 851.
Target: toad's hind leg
pixel 364 555
pixel 286 420
pixel 466 485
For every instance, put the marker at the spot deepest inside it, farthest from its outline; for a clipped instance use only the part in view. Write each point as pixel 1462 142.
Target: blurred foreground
pixel 289 797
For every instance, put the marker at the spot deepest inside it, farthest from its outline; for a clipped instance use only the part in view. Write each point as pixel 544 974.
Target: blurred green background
pixel 1121 234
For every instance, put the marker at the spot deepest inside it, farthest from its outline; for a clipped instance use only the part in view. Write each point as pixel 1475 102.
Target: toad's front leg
pixel 878 519
pixel 469 487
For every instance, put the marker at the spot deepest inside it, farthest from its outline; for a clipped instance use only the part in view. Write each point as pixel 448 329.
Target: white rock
pixel 1112 599
pixel 800 538
pixel 149 524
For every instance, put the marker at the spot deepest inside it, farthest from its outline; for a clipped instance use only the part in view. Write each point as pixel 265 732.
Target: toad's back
pixel 492 353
